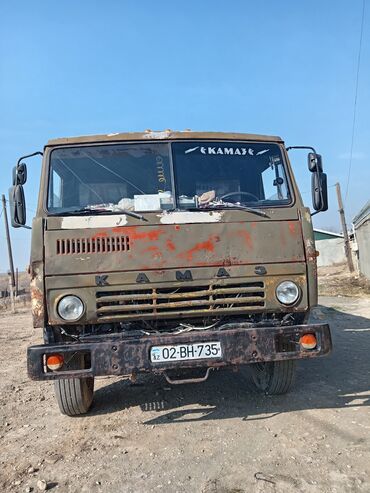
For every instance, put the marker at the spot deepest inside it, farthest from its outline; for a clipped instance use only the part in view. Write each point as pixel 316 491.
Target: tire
pixel 273 378
pixel 74 395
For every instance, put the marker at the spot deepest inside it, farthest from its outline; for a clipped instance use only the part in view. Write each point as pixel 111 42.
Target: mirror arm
pixel 301 147
pixel 37 153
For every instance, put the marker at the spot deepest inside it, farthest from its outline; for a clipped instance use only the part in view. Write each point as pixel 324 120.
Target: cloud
pixel 356 156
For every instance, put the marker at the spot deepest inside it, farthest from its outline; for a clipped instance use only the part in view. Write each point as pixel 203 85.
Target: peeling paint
pixel 90 222
pixel 310 246
pixel 311 250
pixel 307 216
pixel 37 299
pixel 187 217
pixel 157 135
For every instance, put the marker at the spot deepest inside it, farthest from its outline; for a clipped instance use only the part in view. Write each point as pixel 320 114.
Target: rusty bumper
pixel 241 344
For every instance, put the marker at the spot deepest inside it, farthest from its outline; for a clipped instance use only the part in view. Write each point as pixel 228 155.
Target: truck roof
pixel 162 135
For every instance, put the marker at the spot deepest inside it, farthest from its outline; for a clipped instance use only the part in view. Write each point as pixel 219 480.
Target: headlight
pixel 70 308
pixel 287 292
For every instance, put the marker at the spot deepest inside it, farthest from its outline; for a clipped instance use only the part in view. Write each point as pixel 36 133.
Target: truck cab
pixel 176 253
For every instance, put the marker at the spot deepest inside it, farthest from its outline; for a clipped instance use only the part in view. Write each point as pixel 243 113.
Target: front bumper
pixel 241 344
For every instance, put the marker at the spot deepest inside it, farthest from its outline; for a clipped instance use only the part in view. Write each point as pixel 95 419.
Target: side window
pixel 56 190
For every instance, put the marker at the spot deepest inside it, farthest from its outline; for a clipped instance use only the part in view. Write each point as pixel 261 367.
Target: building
pixel 330 246
pixel 321 234
pixel 361 224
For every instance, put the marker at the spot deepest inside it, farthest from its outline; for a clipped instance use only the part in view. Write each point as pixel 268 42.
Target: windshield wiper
pixel 221 204
pixel 87 210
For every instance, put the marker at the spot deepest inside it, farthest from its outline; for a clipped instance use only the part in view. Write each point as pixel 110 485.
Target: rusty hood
pixel 114 243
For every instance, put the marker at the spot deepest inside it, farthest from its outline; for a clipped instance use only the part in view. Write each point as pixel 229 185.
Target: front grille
pixel 100 244
pixel 205 299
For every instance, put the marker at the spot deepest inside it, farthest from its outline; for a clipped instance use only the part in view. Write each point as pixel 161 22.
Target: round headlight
pixel 70 308
pixel 287 292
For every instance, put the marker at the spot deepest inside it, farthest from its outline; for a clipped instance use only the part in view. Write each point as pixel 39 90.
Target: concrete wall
pixel 363 242
pixel 331 252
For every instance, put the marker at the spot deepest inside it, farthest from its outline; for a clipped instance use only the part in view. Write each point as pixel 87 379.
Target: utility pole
pixel 10 253
pixel 347 247
pixel 11 290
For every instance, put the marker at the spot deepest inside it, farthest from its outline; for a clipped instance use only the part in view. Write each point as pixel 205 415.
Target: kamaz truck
pixel 175 253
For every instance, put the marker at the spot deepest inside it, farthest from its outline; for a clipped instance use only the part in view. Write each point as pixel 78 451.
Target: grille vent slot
pixel 103 244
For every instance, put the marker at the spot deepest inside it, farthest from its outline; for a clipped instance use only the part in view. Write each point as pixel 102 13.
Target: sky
pixel 283 68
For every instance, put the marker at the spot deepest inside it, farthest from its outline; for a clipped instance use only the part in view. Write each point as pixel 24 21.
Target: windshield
pixel 144 177
pixel 211 173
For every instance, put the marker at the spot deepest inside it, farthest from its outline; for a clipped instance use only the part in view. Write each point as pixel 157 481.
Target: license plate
pixel 180 352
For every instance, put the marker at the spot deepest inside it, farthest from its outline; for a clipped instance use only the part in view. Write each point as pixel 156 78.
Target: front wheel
pixel 273 377
pixel 74 395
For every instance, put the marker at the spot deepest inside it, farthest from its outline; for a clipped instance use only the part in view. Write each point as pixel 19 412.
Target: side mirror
pixel 20 174
pixel 17 206
pixel 314 162
pixel 319 192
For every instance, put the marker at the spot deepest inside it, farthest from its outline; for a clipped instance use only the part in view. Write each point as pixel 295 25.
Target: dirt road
pixel 214 437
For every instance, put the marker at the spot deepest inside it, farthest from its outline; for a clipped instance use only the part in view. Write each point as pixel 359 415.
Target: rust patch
pixel 219 263
pixel 37 305
pixel 102 234
pixel 152 248
pixel 206 246
pixel 135 233
pixel 310 250
pixel 37 294
pixel 170 246
pixel 247 238
pixel 292 228
pixel 155 251
pixel 231 261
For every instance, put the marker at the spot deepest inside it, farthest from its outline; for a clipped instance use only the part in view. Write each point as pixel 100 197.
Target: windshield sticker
pixel 191 150
pixel 161 174
pixel 227 151
pixel 274 160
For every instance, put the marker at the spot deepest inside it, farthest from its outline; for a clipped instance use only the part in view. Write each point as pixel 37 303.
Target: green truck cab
pixel 170 252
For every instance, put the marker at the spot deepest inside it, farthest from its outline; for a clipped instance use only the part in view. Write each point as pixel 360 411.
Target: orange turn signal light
pixel 54 361
pixel 308 341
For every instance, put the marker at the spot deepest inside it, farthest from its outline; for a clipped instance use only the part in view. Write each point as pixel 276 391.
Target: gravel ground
pixel 215 437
